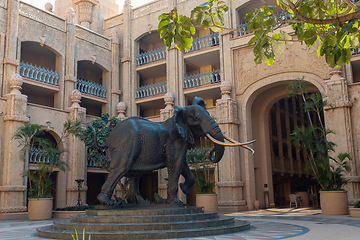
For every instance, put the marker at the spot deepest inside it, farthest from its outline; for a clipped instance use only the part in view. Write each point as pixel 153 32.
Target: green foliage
pixel 334 24
pixel 103 127
pixel 313 141
pixel 357 205
pixel 199 161
pixel 30 136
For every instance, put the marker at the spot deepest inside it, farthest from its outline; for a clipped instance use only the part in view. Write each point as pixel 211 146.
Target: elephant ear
pixel 181 126
pixel 199 101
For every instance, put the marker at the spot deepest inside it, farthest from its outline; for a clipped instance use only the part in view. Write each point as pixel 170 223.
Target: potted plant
pixel 200 163
pixel 313 141
pixel 40 183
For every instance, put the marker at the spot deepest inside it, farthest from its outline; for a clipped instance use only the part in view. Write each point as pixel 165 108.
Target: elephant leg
pixel 174 173
pixel 120 164
pixel 189 179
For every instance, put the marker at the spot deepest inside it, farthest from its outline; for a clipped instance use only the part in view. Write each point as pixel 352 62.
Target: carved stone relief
pixel 296 58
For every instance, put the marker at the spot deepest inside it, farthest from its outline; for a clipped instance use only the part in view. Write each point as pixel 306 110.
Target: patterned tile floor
pixel 294 224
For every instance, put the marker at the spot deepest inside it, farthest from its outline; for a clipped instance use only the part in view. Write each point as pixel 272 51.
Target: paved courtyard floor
pixel 275 223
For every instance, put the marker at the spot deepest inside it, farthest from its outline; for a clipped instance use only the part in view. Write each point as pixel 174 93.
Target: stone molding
pixel 13 209
pixel 16 118
pixel 92 37
pixel 352 179
pixel 125 59
pixel 232 203
pixel 13 62
pixel 226 111
pixel 340 104
pixel 229 184
pixel 75 189
pixel 12 188
pixel 70 78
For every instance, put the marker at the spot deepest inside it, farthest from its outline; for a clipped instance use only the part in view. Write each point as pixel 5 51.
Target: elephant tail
pixel 95 141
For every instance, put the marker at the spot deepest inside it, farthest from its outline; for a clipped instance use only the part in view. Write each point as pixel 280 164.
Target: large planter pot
pixel 208 201
pixel 334 202
pixel 355 212
pixel 40 209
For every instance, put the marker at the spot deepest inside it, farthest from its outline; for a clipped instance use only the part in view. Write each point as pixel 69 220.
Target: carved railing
pixel 37 73
pixel 150 8
pixel 85 86
pixel 200 79
pixel 204 42
pixel 101 161
pixel 151 56
pixel 114 21
pixel 38 156
pixel 42 16
pixel 356 50
pixel 244 26
pixel 151 89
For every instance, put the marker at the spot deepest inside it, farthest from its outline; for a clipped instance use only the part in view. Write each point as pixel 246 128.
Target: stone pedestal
pixel 12 184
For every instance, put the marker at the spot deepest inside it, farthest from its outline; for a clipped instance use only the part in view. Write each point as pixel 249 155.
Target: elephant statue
pixel 137 145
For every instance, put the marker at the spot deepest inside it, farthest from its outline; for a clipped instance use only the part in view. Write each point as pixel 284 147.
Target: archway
pixel 275 180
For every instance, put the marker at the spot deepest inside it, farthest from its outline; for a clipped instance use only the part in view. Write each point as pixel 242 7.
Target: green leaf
pixel 278 47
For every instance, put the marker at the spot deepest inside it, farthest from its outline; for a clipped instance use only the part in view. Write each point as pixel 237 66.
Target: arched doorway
pixel 268 118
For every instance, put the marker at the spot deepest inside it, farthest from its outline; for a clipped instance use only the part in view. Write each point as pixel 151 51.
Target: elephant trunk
pixel 216 133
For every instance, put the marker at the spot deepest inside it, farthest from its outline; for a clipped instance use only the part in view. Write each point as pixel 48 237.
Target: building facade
pixel 84 59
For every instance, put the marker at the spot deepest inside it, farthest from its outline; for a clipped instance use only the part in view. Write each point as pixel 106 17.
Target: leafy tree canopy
pixel 332 23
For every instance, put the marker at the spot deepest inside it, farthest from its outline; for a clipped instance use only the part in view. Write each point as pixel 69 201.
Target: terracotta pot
pixel 208 201
pixel 40 209
pixel 334 202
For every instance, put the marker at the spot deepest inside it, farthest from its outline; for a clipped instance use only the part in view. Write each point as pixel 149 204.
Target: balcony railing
pixel 37 73
pixel 85 86
pixel 200 79
pixel 151 90
pixel 38 156
pixel 204 42
pixel 102 161
pixel 356 50
pixel 244 26
pixel 151 56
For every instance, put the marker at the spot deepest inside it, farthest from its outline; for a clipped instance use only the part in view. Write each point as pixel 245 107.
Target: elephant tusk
pixel 244 146
pixel 232 144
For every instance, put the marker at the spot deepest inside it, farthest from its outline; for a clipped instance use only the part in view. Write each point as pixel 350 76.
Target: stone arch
pixel 257 102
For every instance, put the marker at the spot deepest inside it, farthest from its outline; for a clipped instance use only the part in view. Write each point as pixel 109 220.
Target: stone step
pixel 82 218
pixel 145 212
pixel 50 232
pixel 65 225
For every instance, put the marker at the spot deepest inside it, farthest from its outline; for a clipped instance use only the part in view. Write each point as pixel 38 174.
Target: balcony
pixel 85 86
pixel 37 73
pixel 200 79
pixel 204 42
pixel 151 56
pixel 151 90
pixel 244 26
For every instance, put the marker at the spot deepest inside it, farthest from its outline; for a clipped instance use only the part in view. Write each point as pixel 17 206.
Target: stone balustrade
pixel 151 56
pixel 151 89
pixel 85 86
pixel 200 79
pixel 244 26
pixel 206 41
pixel 37 73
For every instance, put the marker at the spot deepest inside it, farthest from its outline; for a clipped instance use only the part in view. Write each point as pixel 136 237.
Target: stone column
pixel 338 119
pixel 128 79
pixel 11 61
pixel 229 186
pixel 165 113
pixel 12 184
pixel 77 154
pixel 85 9
pixel 121 108
pixel 70 61
pixel 115 70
